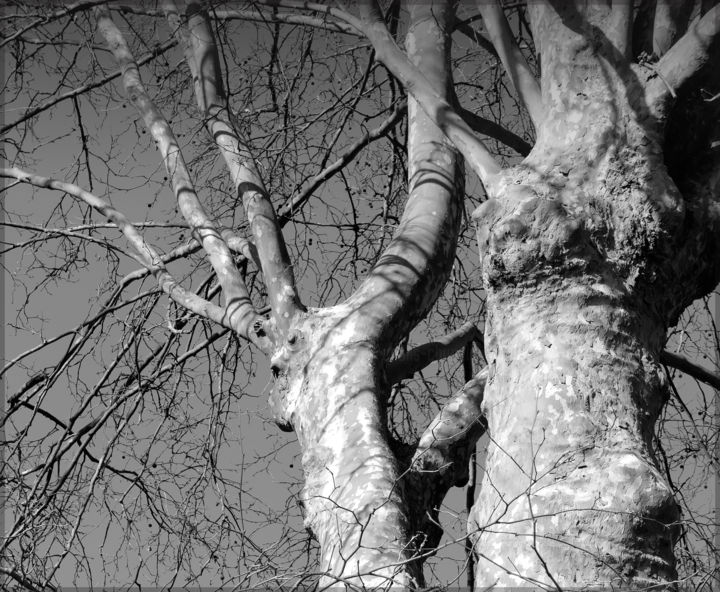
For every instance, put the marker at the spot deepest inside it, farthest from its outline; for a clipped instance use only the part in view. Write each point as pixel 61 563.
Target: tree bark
pixel 331 390
pixel 332 386
pixel 586 261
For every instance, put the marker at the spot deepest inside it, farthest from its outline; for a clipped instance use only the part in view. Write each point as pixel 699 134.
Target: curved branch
pixel 405 281
pixel 418 358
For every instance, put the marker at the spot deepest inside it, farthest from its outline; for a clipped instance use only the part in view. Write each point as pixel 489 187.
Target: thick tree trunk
pixel 584 253
pixel 572 494
pixel 332 391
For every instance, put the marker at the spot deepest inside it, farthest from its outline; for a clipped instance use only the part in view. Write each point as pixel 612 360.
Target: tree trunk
pixel 583 253
pixel 332 391
pixel 572 494
pixel 332 387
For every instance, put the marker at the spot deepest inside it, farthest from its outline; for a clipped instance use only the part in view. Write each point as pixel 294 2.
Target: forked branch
pixel 239 311
pixel 437 108
pixel 203 60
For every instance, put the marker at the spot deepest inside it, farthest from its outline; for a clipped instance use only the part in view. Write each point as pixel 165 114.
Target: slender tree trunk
pixel 583 254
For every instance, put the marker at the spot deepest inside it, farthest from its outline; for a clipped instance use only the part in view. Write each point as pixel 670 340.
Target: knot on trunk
pixel 524 234
pixel 286 363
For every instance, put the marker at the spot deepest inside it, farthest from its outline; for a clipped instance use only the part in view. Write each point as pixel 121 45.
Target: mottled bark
pixel 332 385
pixel 589 251
pixel 330 389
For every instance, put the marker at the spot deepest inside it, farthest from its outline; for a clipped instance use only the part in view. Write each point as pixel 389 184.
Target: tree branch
pixel 684 365
pixel 204 62
pixel 671 21
pixel 522 78
pixel 287 18
pixel 453 433
pixel 438 109
pixel 683 60
pixel 442 457
pixel 494 131
pixel 405 281
pixel 71 94
pixel 290 206
pixel 418 358
pixel 240 313
pixel 144 253
pixel 67 11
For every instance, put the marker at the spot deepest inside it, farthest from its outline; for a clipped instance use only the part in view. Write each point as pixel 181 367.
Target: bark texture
pixel 332 387
pixel 589 252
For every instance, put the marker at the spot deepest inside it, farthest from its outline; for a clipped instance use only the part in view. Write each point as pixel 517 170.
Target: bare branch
pixel 239 309
pixel 522 78
pixel 288 18
pixel 61 12
pixel 71 94
pixel 210 94
pixel 29 584
pixel 143 252
pixel 442 457
pixel 294 203
pixel 691 369
pixel 438 109
pixel 454 430
pixel 418 358
pixel 495 130
pixel 404 282
pixel 316 7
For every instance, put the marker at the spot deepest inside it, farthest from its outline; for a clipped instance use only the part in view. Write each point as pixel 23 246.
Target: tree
pixel 598 226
